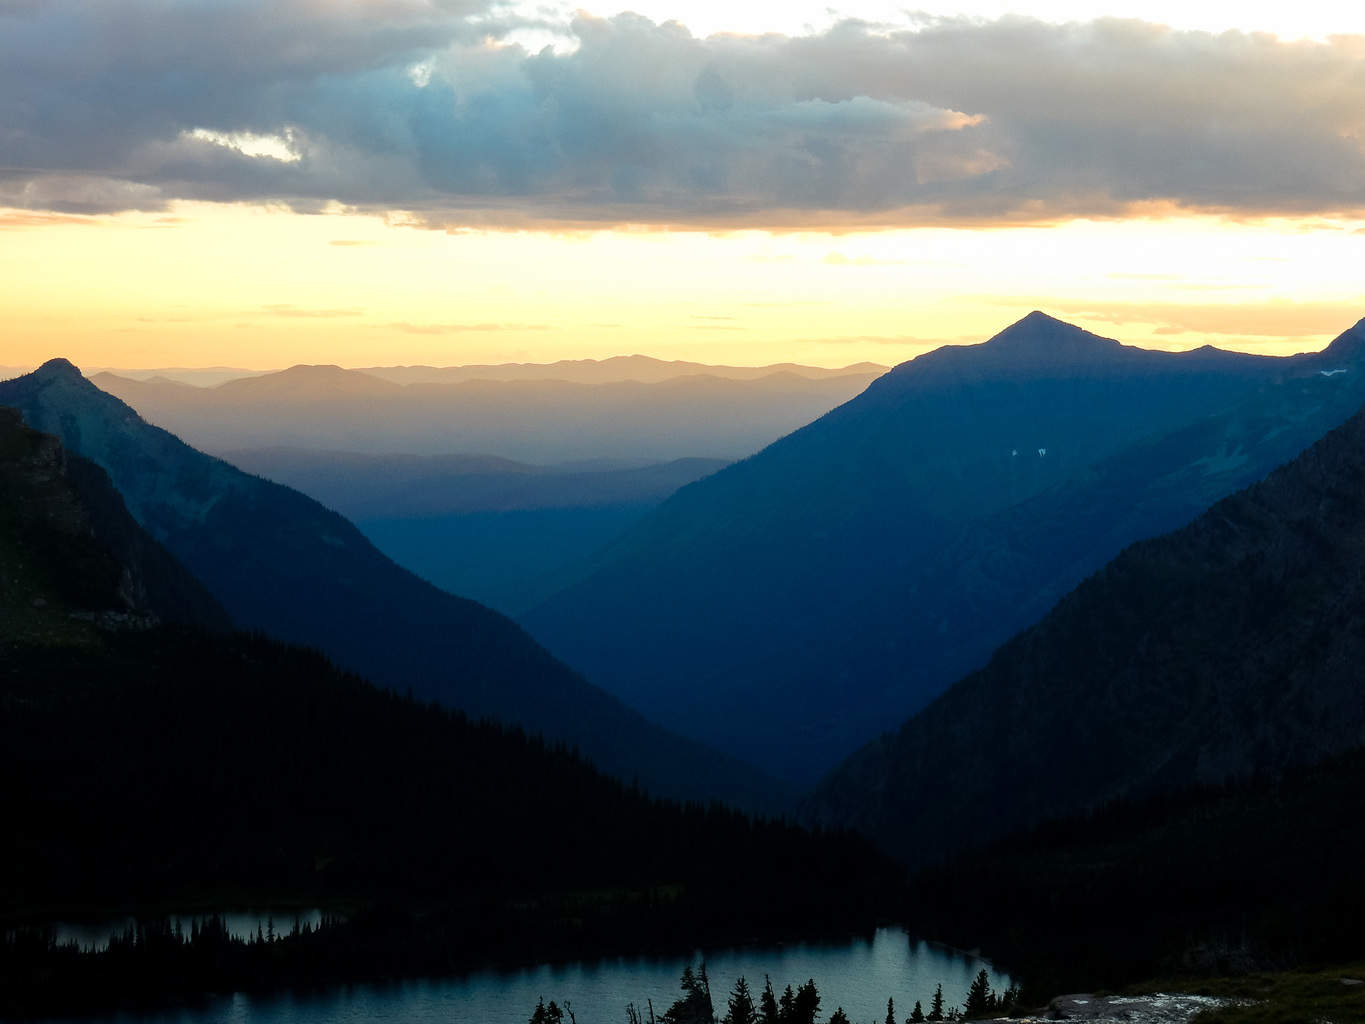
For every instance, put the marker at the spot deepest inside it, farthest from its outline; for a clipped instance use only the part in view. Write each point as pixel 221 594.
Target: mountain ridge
pixel 819 564
pixel 281 563
pixel 530 420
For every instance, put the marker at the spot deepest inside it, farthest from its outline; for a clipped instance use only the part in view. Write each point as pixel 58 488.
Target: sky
pixel 259 183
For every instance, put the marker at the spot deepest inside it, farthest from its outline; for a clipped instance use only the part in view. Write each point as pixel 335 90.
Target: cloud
pixel 421 107
pixel 462 328
pixel 286 309
pixel 39 218
pixel 838 259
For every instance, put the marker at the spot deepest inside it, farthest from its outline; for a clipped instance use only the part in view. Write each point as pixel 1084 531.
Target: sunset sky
pixel 258 183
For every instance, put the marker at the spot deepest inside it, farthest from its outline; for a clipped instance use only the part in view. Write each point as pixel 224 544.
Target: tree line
pixel 794 1006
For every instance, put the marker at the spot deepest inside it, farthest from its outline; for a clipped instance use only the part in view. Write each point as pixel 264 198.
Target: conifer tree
pixel 916 1015
pixel 936 1007
pixel 694 1006
pixel 786 1012
pixel 767 1003
pixel 807 1003
pixel 838 1016
pixel 741 1006
pixel 979 1001
pixel 890 1010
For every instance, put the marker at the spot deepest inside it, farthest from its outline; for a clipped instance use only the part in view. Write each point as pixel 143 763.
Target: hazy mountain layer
pixel 643 369
pixel 362 486
pixel 504 533
pixel 281 563
pixel 793 605
pixel 1228 648
pixel 537 421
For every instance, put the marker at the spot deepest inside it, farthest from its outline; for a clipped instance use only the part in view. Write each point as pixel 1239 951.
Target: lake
pixel 858 975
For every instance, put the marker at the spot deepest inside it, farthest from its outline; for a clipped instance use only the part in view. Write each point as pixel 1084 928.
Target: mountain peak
pixel 58 369
pixel 1041 341
pixel 1039 328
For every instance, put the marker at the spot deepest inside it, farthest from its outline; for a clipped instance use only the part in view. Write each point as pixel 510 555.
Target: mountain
pixel 304 383
pixel 192 376
pixel 535 420
pixel 795 603
pixel 1228 649
pixel 71 556
pixel 644 369
pixel 281 563
pixel 148 767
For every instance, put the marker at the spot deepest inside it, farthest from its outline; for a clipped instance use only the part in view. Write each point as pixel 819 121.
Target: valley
pixel 1154 716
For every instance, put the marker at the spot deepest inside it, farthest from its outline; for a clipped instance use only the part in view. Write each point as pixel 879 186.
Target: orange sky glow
pixel 263 288
pixel 421 183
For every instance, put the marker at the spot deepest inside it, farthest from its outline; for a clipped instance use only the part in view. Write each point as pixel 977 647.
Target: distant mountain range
pixel 1227 649
pixel 792 605
pixel 281 563
pixel 530 420
pixel 643 369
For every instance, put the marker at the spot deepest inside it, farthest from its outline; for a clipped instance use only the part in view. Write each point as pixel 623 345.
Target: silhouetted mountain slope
pixel 533 420
pixel 70 552
pixel 805 597
pixel 1232 646
pixel 281 563
pixel 170 765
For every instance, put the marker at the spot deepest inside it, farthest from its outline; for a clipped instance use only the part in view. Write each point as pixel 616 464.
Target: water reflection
pixel 857 975
pixel 240 924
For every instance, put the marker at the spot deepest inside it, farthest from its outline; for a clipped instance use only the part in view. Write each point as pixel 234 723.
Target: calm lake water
pixel 857 975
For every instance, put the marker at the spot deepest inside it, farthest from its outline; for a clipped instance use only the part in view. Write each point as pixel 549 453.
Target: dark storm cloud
pixel 408 105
